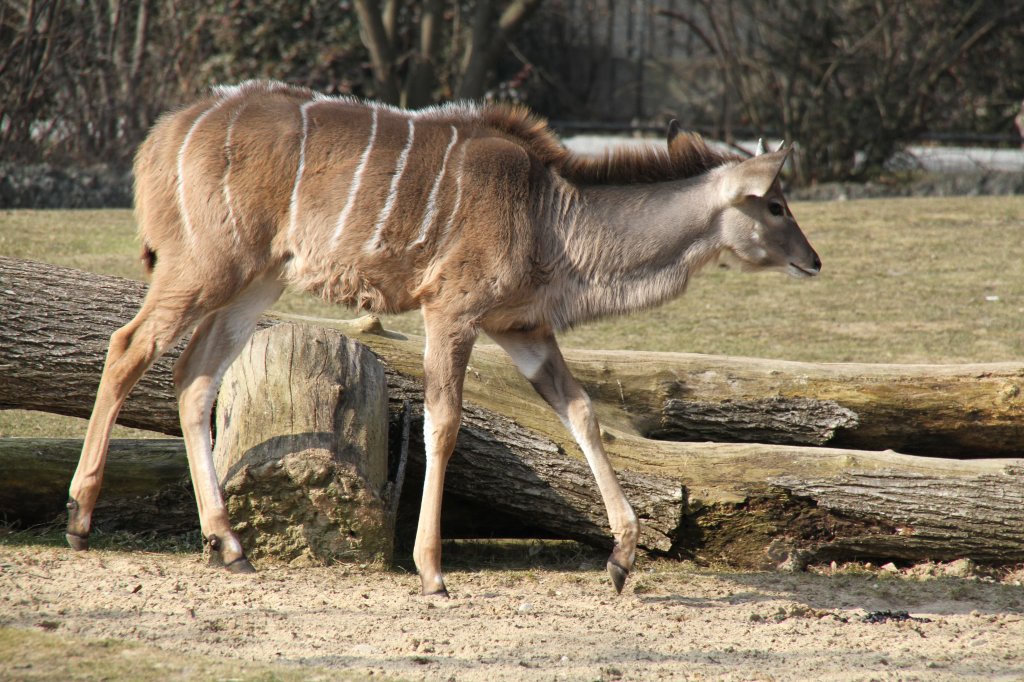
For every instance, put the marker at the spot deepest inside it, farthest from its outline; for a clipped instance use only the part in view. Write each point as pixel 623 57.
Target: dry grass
pixel 904 280
pixel 44 655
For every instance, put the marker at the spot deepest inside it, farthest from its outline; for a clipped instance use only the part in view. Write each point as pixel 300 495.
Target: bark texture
pixel 785 500
pixel 55 325
pixel 145 488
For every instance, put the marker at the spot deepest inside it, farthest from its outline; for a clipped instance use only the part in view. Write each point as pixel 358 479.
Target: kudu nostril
pixel 817 262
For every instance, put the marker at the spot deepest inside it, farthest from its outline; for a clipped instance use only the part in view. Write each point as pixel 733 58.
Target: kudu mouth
pixel 801 272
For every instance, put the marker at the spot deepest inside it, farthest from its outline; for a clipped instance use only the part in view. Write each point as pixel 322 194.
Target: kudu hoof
pixel 78 532
pixel 440 594
pixel 79 543
pixel 237 565
pixel 433 587
pixel 618 575
pixel 240 565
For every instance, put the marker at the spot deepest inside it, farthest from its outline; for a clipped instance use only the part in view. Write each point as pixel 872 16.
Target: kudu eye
pixel 775 208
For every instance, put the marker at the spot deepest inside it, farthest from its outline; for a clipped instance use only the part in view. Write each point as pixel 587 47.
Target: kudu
pixel 476 215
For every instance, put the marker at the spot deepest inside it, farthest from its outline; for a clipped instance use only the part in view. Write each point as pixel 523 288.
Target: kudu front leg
pixel 539 359
pixel 133 348
pixel 444 368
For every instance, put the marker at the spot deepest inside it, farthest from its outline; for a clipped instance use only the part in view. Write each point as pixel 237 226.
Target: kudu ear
pixel 753 177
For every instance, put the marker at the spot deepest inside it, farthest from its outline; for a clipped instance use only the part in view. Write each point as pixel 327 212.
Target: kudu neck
pixel 631 247
pixel 667 214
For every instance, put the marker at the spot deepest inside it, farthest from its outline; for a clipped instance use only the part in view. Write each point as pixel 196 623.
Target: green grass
pixel 927 280
pixel 100 241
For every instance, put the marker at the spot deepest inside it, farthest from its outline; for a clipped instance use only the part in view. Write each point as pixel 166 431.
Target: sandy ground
pixel 545 622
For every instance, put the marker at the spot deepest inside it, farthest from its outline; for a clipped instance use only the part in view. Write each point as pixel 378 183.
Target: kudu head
pixel 757 227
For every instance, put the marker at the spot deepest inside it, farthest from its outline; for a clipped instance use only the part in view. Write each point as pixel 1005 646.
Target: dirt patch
pixel 673 621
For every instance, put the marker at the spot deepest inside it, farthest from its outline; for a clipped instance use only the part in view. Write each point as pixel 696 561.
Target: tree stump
pixel 302 448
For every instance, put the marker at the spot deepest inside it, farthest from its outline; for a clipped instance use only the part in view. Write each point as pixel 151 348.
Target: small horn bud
pixel 760 147
pixel 782 144
pixel 673 130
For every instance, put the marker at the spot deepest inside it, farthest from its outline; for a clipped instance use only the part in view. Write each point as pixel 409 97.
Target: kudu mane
pixel 688 157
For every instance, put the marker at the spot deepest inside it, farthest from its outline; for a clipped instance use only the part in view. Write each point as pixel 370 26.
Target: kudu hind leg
pixel 444 368
pixel 197 376
pixel 539 359
pixel 133 349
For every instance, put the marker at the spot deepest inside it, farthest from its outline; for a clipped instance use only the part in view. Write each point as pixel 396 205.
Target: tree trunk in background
pixel 751 504
pixel 418 41
pixel 375 37
pixel 487 42
pixel 423 76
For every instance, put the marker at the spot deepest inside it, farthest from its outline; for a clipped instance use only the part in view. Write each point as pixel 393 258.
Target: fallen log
pixel 55 324
pixel 146 489
pixel 751 504
pixel 146 485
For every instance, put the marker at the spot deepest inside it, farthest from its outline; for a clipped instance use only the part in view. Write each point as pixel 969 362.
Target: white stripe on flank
pixel 293 207
pixel 232 218
pixel 458 201
pixel 357 177
pixel 186 222
pixel 431 212
pixel 389 205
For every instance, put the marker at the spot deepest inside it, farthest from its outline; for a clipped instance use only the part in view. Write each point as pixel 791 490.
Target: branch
pixel 423 72
pixel 488 43
pixel 510 21
pixel 382 57
pixel 692 24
